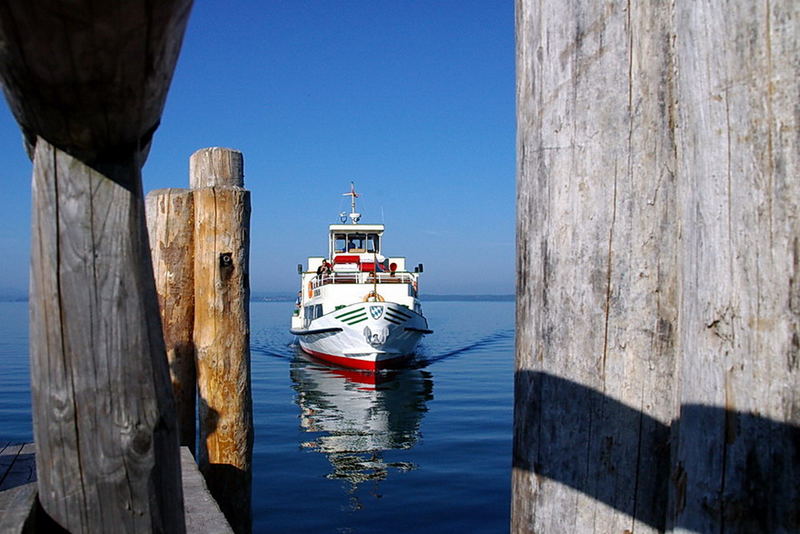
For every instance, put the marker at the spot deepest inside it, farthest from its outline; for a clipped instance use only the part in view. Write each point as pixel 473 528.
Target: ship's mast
pixel 354 216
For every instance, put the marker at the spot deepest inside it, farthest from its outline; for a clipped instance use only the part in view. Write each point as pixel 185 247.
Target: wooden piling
pixel 738 467
pixel 222 328
pixel 596 267
pixel 104 419
pixel 170 223
pixel 657 358
pixel 87 82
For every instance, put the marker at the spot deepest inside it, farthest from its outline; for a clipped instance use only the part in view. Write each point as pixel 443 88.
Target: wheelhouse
pixel 353 239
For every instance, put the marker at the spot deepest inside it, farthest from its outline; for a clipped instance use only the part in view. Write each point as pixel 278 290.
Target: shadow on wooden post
pixel 658 303
pixel 87 82
pixel 558 440
pixel 170 222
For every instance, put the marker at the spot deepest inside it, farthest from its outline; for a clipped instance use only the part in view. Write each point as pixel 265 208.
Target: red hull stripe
pixel 354 363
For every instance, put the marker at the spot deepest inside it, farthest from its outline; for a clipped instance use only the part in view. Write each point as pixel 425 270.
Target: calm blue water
pixel 426 449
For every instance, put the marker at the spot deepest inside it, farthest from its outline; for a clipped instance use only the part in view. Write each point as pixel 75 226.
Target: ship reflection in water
pixel 358 415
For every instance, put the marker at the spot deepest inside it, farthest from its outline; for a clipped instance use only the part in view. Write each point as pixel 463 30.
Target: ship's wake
pixel 493 341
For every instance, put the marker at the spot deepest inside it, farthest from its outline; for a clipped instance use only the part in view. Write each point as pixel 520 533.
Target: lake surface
pixel 424 449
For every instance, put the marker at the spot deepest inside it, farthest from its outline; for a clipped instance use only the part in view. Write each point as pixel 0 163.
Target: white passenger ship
pixel 357 308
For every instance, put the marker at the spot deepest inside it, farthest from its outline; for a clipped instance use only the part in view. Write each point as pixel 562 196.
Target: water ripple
pixel 496 340
pixel 281 352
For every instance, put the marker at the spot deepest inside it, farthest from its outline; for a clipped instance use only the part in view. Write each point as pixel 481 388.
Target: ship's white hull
pixel 365 335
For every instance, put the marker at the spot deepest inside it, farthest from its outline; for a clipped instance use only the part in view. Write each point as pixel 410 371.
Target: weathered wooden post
pixel 87 83
pixel 657 317
pixel 170 223
pixel 596 262
pixel 737 460
pixel 222 328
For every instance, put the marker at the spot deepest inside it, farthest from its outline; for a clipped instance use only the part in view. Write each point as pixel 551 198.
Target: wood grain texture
pixel 18 508
pixel 222 340
pixel 739 209
pixel 17 465
pixel 20 513
pixel 104 417
pixel 596 267
pixel 657 322
pixel 203 515
pixel 18 490
pixel 170 224
pixel 216 166
pixel 90 77
pixel 87 82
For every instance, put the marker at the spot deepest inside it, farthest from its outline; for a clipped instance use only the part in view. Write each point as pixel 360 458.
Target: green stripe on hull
pixel 356 317
pixel 351 312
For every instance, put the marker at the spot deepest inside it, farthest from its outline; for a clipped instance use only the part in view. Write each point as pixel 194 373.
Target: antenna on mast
pixel 354 216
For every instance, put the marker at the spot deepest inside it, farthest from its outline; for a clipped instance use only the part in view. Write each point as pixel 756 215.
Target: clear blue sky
pixel 412 100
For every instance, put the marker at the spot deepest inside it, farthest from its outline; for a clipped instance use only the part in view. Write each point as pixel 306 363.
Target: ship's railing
pixel 363 278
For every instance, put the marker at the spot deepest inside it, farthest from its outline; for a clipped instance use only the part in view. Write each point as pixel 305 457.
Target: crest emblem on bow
pixel 376 312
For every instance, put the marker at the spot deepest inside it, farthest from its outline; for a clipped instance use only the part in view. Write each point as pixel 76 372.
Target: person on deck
pixel 324 268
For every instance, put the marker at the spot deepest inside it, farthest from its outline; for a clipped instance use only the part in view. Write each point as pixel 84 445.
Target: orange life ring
pixel 310 290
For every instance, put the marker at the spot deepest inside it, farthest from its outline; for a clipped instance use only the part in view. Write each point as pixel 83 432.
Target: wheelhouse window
pixel 356 243
pixel 339 242
pixel 373 243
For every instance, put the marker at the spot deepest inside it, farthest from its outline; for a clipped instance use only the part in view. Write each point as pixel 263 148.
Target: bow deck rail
pixel 363 278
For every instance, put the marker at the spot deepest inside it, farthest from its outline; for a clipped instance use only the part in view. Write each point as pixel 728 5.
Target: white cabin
pixel 357 271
